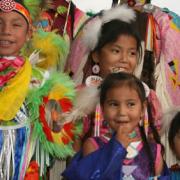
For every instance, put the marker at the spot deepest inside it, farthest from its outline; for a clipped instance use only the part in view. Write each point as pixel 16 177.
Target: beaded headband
pixel 11 5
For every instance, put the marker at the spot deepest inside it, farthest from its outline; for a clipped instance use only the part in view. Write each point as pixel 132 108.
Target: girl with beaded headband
pixel 25 93
pixel 110 41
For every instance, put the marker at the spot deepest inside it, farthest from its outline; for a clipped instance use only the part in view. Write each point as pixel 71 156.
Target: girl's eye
pixel 115 51
pixel 131 104
pixel 133 53
pixel 113 104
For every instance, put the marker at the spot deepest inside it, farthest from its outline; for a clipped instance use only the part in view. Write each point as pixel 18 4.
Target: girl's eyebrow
pixel 110 100
pixel 116 45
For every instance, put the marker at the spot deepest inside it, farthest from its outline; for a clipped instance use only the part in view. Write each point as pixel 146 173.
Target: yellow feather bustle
pixel 52 47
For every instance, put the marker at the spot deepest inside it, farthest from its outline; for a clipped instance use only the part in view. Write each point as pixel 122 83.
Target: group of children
pixel 120 131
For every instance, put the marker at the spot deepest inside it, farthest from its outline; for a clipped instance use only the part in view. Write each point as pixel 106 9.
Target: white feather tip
pixel 91 33
pixel 86 101
pixel 123 13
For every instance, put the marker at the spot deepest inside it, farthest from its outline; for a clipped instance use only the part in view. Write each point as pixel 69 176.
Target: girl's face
pixel 123 107
pixel 13 33
pixel 120 55
pixel 177 145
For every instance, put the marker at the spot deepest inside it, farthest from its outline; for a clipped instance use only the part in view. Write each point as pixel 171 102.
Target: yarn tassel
pixel 98 120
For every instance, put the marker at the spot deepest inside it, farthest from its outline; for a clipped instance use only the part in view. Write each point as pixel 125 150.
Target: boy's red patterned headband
pixel 11 5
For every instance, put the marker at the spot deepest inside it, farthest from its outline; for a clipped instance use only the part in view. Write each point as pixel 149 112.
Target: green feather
pixel 34 7
pixel 35 99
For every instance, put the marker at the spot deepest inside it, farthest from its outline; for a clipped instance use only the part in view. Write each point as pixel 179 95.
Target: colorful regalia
pixel 33 97
pixel 111 162
pixel 25 126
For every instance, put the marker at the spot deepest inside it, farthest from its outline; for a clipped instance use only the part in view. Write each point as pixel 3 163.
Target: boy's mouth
pixel 4 43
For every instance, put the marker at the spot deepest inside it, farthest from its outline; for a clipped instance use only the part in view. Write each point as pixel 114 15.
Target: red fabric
pixel 68 128
pixel 10 68
pixel 45 126
pixel 32 172
pixel 65 104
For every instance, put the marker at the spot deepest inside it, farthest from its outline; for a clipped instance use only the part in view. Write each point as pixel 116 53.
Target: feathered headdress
pixel 51 48
pixel 93 28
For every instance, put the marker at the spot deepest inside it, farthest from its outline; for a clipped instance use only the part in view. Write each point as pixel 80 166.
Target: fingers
pixel 126 134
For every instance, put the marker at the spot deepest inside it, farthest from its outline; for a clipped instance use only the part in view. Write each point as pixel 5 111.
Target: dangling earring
pixel 94 80
pixel 96 69
pixel 141 122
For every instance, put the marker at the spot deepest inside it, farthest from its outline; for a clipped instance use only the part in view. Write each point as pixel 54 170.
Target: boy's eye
pixel 17 25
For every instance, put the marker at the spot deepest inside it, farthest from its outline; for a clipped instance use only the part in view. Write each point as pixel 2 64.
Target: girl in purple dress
pixel 126 153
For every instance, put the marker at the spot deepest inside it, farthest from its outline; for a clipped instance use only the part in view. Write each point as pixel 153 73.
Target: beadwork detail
pixel 7 5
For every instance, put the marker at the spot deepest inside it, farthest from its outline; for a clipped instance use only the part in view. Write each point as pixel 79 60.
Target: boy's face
pixel 14 32
pixel 177 145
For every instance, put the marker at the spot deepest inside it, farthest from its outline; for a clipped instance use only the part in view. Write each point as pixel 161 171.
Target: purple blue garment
pixel 175 175
pixel 107 164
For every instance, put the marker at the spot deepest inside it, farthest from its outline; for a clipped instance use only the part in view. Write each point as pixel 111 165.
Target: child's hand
pixel 123 135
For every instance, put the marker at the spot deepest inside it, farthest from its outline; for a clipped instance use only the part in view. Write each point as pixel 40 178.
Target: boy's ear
pixel 95 56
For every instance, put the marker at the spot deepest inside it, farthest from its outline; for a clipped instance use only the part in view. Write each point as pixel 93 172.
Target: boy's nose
pixel 6 30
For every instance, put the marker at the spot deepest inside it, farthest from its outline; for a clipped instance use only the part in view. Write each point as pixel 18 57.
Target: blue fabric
pixel 103 164
pixel 175 175
pixel 20 140
pixel 1 140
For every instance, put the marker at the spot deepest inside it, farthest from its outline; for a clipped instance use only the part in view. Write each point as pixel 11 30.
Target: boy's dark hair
pixel 173 130
pixel 120 79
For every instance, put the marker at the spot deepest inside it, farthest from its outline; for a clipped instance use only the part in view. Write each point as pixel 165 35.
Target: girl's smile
pixel 122 107
pixel 117 56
